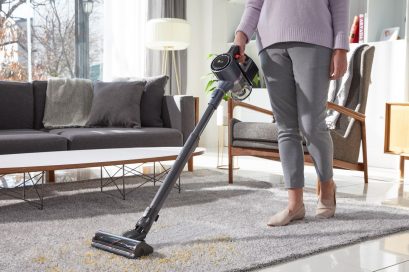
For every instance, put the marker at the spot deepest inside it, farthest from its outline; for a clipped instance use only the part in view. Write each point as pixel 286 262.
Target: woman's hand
pixel 240 40
pixel 338 64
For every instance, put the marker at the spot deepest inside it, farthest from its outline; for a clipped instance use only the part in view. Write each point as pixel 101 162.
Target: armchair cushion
pixel 254 131
pixel 260 145
pixel 255 144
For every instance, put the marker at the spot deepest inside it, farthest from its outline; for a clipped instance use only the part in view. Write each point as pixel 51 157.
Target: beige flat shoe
pixel 326 208
pixel 285 217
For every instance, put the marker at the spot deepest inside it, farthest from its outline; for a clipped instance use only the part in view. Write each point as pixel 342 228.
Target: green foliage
pixel 256 81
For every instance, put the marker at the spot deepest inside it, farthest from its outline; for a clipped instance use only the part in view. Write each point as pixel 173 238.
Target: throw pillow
pixel 152 99
pixel 116 104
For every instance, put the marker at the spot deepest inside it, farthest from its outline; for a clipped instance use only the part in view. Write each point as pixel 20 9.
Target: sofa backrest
pixel 40 92
pixel 154 99
pixel 16 105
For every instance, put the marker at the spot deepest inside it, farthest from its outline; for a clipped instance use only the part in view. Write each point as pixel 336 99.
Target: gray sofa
pixel 21 129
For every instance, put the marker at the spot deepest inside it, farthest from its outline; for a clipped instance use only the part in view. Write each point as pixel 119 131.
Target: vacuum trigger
pixel 156 218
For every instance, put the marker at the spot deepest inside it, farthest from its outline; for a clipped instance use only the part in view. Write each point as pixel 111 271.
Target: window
pixel 50 38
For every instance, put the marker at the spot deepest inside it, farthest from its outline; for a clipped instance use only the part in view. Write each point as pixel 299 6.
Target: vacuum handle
pixel 234 51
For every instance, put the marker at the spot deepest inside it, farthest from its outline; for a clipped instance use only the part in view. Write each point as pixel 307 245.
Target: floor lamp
pixel 168 35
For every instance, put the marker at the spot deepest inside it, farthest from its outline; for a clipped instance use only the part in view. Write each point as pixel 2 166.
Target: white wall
pixel 212 22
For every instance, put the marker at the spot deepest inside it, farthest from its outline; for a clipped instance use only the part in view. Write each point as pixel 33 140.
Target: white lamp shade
pixel 167 34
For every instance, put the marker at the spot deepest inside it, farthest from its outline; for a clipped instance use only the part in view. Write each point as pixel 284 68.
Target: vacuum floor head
pixel 120 245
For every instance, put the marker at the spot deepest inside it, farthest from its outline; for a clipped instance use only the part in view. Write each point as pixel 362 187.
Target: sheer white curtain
pixel 124 38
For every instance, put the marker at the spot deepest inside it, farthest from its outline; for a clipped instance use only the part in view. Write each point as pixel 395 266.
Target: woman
pixel 303 45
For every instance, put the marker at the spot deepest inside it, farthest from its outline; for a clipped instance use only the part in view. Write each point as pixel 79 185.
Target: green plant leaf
pixel 209 91
pixel 210 85
pixel 227 96
pixel 256 81
pixel 211 55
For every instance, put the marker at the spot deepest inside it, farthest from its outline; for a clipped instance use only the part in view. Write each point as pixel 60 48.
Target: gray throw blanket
pixel 339 89
pixel 68 103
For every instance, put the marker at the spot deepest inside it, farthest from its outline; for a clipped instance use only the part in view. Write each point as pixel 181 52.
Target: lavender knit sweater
pixel 321 22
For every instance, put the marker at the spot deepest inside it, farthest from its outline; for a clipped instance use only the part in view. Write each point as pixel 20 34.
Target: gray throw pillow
pixel 116 104
pixel 152 99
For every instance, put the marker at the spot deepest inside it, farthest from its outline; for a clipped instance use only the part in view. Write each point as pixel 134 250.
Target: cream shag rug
pixel 209 226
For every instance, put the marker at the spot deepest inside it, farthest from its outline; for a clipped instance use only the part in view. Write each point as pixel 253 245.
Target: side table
pixel 397 132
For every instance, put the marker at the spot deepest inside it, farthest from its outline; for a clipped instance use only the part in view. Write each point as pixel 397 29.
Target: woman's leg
pixel 311 73
pixel 278 71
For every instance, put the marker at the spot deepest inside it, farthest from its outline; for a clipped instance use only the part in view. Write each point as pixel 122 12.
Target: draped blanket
pixel 68 102
pixel 339 89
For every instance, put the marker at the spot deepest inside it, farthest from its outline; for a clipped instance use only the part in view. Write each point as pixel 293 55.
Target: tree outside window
pixel 53 39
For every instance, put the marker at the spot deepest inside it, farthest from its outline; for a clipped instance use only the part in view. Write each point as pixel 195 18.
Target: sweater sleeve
pixel 340 17
pixel 249 20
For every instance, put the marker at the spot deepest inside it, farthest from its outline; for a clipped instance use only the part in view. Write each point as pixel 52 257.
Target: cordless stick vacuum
pixel 233 77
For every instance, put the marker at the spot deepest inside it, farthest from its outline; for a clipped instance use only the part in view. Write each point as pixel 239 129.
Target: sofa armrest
pixel 180 112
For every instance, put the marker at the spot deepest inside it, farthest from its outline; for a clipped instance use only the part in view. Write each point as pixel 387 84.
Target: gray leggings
pixel 297 78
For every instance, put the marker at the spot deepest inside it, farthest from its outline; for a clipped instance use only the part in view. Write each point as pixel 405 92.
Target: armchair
pixel 260 139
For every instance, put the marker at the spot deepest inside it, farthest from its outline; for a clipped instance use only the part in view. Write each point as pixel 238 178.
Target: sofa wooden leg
pixel 50 176
pixel 230 169
pixel 190 164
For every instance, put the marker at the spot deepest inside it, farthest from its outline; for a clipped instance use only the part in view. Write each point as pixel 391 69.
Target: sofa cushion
pixel 96 138
pixel 40 93
pixel 16 105
pixel 27 141
pixel 116 104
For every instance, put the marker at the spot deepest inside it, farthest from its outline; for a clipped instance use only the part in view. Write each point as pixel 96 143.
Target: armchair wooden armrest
pixel 232 104
pixel 351 113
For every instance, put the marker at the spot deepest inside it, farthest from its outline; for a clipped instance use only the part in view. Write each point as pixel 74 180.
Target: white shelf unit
pixel 389 70
pixel 381 14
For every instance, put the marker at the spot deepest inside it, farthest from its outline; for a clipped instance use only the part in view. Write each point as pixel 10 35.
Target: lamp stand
pixel 176 72
pixel 164 61
pixel 175 67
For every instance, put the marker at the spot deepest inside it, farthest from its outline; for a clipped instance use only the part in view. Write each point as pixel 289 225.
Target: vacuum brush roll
pixel 120 245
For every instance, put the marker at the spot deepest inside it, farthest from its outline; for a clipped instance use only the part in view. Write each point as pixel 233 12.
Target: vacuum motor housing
pixel 226 67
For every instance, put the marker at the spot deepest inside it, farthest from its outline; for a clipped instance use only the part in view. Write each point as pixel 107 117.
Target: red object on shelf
pixel 362 28
pixel 354 34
